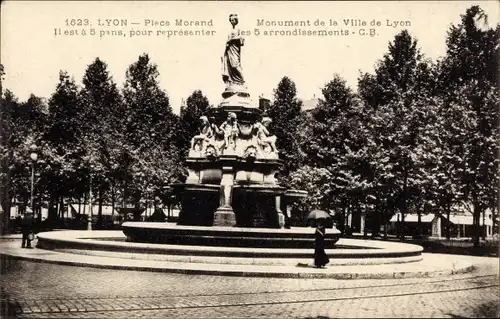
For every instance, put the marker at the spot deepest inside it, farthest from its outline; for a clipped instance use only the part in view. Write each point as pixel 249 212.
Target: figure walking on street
pixel 320 257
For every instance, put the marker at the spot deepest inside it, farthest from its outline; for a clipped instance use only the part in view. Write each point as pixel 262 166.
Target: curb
pixel 251 273
pixel 235 260
pixel 86 241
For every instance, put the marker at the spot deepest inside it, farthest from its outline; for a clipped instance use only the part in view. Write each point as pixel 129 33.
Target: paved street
pixel 37 290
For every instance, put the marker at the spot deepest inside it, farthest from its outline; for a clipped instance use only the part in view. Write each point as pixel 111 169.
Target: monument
pixel 232 163
pixel 233 160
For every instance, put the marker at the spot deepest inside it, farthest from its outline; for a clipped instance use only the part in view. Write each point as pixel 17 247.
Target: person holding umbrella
pixel 320 257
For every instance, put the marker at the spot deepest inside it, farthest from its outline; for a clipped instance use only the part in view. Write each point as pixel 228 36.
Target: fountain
pixel 232 164
pixel 233 211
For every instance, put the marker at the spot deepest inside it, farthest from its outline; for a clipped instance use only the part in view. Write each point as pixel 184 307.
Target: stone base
pixel 224 216
pixel 236 101
pixel 281 220
pixel 233 88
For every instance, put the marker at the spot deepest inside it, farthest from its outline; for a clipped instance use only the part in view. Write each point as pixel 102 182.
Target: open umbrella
pixel 317 217
pixel 318 214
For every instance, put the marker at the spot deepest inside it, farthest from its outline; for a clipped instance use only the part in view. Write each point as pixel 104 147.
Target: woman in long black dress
pixel 320 257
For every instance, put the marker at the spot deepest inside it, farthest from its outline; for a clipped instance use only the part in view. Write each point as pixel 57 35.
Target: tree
pixel 4 176
pixel 316 181
pixel 399 94
pixel 469 78
pixel 29 121
pixel 285 112
pixel 101 102
pixel 153 159
pixel 22 125
pixel 9 103
pixel 62 149
pixel 333 142
pixel 448 158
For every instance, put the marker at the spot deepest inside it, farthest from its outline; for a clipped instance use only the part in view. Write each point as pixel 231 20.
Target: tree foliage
pixel 153 159
pixel 102 128
pixel 285 112
pixel 61 148
pixel 468 78
pixel 402 123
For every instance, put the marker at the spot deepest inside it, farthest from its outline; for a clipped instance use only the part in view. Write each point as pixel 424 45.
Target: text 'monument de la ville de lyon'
pixel 350 22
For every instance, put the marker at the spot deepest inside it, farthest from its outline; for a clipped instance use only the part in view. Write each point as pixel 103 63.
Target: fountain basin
pixel 114 244
pixel 165 233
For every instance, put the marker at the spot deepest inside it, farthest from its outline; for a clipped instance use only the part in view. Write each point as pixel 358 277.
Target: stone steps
pixel 357 251
pixel 188 257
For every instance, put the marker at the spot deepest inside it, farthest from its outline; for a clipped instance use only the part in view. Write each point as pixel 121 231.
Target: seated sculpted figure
pixel 263 136
pixel 206 132
pixel 231 130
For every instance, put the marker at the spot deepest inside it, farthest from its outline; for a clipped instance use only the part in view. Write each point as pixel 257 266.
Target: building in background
pixel 437 224
pixel 309 105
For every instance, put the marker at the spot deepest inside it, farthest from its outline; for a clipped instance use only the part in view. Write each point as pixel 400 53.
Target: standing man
pixel 27 225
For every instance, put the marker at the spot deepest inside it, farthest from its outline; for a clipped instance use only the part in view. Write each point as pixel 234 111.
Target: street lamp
pixel 89 224
pixel 34 158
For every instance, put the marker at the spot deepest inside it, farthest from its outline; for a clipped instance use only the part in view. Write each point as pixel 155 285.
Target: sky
pixel 33 52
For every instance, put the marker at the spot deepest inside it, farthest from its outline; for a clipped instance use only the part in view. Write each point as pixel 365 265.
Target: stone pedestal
pixel 362 225
pixel 281 217
pixel 436 226
pixel 235 96
pixel 224 215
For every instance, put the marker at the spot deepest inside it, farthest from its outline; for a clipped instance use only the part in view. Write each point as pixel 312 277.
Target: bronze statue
pixel 232 71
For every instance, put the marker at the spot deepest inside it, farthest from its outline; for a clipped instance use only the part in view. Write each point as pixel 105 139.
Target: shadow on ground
pixel 8 264
pixel 486 310
pixel 8 308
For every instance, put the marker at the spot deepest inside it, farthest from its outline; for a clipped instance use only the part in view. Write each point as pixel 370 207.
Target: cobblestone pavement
pixel 38 290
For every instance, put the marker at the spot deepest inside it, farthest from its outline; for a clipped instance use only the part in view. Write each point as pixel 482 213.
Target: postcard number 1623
pixel 77 22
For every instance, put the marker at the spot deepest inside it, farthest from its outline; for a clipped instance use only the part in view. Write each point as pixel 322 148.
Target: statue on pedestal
pixel 233 159
pixel 232 72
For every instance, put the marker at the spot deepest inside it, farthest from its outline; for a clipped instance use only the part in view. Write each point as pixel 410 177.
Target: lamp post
pixel 34 158
pixel 89 224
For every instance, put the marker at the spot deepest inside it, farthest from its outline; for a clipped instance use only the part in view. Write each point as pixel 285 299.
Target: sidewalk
pixel 453 246
pixel 432 265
